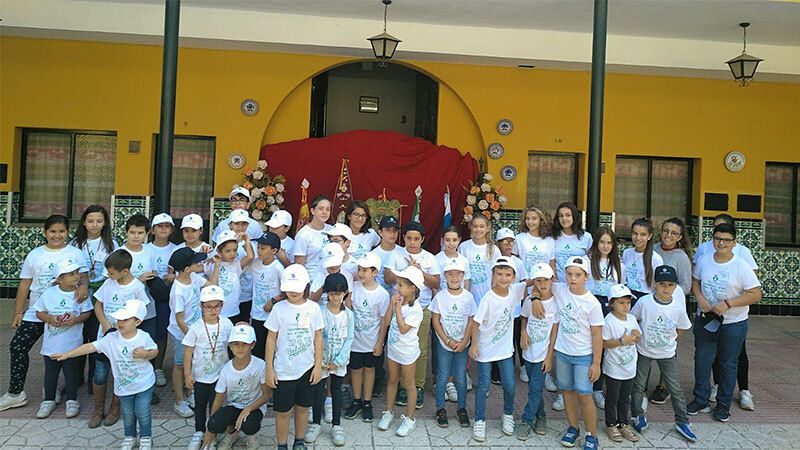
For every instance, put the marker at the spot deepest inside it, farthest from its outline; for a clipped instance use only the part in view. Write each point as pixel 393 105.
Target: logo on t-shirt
pixel 124 350
pixel 63 303
pixel 455 307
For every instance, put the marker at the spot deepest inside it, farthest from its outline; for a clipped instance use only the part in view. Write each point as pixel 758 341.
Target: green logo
pixel 63 303
pixel 297 317
pixel 364 303
pixel 140 266
pixel 455 307
pixel 124 351
pixel 241 382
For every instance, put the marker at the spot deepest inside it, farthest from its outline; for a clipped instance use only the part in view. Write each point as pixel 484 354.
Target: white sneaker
pixel 558 404
pixel 146 443
pixel 713 396
pixel 337 435
pixel 161 380
pixel 228 441
pixel 128 443
pixel 451 393
pixel 190 399
pixel 523 374
pixel 508 424
pixel 312 433
pixel 73 408
pixel 252 443
pixel 45 409
pixel 599 399
pixel 550 383
pixel 407 425
pixel 328 413
pixel 479 431
pixel 196 442
pixel 469 382
pixel 182 409
pixel 746 400
pixel 9 400
pixel 310 414
pixel 386 420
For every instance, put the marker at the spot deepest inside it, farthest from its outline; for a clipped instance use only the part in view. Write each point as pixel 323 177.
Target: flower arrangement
pixel 266 192
pixel 483 198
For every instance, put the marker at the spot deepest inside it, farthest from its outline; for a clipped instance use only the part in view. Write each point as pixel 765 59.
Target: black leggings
pixel 203 398
pixel 51 371
pixel 226 417
pixel 90 327
pixel 23 341
pixel 261 337
pixel 618 401
pixel 742 371
pixel 320 389
pixel 517 334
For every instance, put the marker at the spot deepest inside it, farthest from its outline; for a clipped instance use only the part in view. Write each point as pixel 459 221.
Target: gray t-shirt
pixel 679 260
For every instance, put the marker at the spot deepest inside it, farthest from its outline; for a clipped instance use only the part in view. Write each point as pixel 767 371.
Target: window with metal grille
pixel 781 204
pixel 552 179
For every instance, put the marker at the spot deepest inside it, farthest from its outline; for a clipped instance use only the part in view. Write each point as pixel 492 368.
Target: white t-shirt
pixel 245 279
pixel 287 245
pixel 131 375
pixel 426 261
pixel 659 323
pixel 533 250
pixel 567 247
pixel 296 326
pixel 576 315
pixel 635 277
pixel 143 261
pixel 495 319
pixel 369 307
pixel 266 285
pixel 337 338
pixel 608 277
pixel 114 295
pixel 308 242
pixel 254 229
pixel 620 362
pixel 230 283
pixel 318 281
pixel 441 259
pixel 538 330
pixel 242 387
pixel 198 248
pixel 385 256
pixel 363 243
pixel 720 282
pixel 739 250
pixel 480 267
pixel 56 302
pixel 455 311
pixel 185 298
pixel 39 267
pixel 95 254
pixel 161 257
pixel 404 348
pixel 207 364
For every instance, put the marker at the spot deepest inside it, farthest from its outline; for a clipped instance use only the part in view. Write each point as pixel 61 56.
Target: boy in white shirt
pixel 192 231
pixel 231 267
pixel 332 262
pixel 240 200
pixel 161 249
pixel 279 223
pixel 505 243
pixel 388 230
pixel 238 221
pixel 143 267
pixel 342 235
pixel 266 272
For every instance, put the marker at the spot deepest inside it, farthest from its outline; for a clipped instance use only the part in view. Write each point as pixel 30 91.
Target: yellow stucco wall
pixel 102 86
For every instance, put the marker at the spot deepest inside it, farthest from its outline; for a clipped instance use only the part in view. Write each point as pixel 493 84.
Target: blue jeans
pixel 136 407
pixel 101 370
pixel 572 373
pixel 451 363
pixel 507 379
pixel 535 405
pixel 724 345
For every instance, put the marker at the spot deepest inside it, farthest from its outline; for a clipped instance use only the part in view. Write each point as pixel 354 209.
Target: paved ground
pixel 772 346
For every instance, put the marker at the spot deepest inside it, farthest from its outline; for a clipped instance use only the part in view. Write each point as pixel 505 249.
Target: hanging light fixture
pixel 384 44
pixel 744 66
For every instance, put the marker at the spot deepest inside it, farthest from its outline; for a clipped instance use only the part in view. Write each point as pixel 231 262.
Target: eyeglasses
pixel 238 200
pixel 671 233
pixel 359 215
pixel 723 240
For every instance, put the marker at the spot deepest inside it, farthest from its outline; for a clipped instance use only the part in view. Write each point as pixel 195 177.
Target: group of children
pixel 261 319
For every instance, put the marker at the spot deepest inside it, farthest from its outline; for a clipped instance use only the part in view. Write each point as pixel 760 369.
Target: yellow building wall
pixel 102 86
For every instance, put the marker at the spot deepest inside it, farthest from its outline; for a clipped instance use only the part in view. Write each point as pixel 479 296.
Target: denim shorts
pixel 572 373
pixel 178 347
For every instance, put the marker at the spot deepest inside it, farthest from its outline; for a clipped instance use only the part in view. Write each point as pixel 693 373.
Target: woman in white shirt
pixel 308 242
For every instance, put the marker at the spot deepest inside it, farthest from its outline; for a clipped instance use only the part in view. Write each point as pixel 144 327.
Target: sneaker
pixel 496 379
pixel 713 396
pixel 524 431
pixel 190 399
pixel 570 437
pixel 407 425
pixel 613 433
pixel 196 442
pixel 550 383
pixel 386 420
pixel 73 408
pixel 402 397
pixel 9 400
pixel 558 404
pixel 463 417
pixel 299 445
pixel 420 398
pixel 127 443
pixel 599 399
pixel 695 407
pixel 182 409
pixel 352 411
pixel 45 409
pixel 746 400
pixel 366 412
pixel 508 424
pixel 721 414
pixel 686 431
pixel 337 436
pixel 145 443
pixel 469 382
pixel 441 418
pixel 451 393
pixel 659 395
pixel 590 442
pixel 540 426
pixel 161 380
pixel 639 423
pixel 312 433
pixel 310 414
pixel 627 432
pixel 479 430
pixel 377 390
pixel 228 441
pixel 523 374
pixel 328 413
pixel 252 442
pixel 270 402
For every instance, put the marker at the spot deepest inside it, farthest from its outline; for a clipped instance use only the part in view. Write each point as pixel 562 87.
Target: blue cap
pixel 666 273
pixel 335 282
pixel 271 239
pixel 389 222
pixel 185 257
pixel 414 226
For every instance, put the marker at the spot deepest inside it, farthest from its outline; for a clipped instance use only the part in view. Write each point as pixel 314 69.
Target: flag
pixel 418 194
pixel 343 196
pixel 303 214
pixel 448 217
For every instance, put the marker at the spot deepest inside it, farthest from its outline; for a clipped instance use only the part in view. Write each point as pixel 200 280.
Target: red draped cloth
pixel 378 160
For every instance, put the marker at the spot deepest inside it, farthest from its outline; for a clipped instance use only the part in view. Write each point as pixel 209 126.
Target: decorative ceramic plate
pixel 495 150
pixel 236 160
pixel 734 161
pixel 505 127
pixel 508 173
pixel 249 107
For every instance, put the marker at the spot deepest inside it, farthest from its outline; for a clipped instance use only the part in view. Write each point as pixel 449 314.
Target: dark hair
pixel 683 243
pixel 351 208
pixel 82 235
pixel 727 218
pixel 647 256
pixel 56 219
pixel 137 220
pixel 544 221
pixel 725 228
pixel 613 255
pixel 416 290
pixel 315 201
pixel 452 229
pixel 576 221
pixel 119 259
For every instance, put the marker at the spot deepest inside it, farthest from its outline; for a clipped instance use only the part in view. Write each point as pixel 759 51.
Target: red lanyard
pixel 216 339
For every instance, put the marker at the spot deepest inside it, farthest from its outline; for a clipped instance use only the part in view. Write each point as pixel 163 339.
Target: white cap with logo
pixel 65 266
pixel 280 218
pixel 294 278
pixel 455 264
pixel 211 293
pixel 242 333
pixel 619 290
pixel 332 255
pixel 158 219
pixel 131 308
pixel 225 236
pixel 340 229
pixel 504 233
pixel 240 191
pixel 413 275
pixel 192 221
pixel 581 262
pixel 541 270
pixel 370 260
pixel 239 215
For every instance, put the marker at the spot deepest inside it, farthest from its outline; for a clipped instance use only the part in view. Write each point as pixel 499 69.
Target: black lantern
pixel 743 67
pixel 384 44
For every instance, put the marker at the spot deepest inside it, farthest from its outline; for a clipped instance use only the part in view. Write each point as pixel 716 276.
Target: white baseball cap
pixel 65 266
pixel 294 278
pixel 541 270
pixel 580 262
pixel 332 255
pixel 370 260
pixel 243 333
pixel 280 218
pixel 240 191
pixel 455 264
pixel 413 275
pixel 239 215
pixel 504 233
pixel 340 229
pixel 619 290
pixel 158 219
pixel 225 236
pixel 211 293
pixel 192 221
pixel 131 308
pixel 503 262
